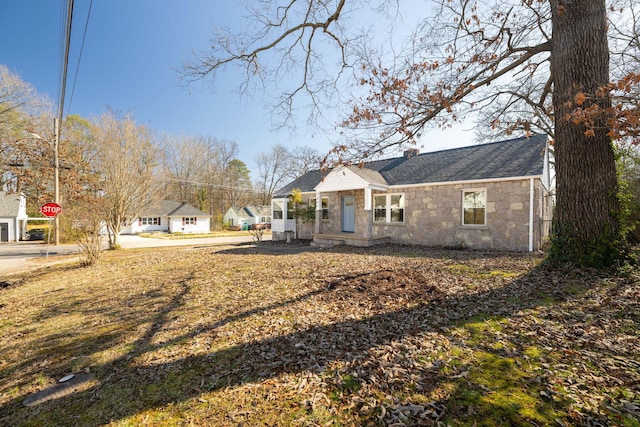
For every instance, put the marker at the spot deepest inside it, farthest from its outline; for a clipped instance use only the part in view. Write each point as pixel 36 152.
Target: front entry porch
pixel 327 240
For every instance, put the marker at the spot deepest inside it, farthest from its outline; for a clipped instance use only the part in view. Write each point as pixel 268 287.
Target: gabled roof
pixel 251 211
pixel 520 157
pixel 170 208
pixel 256 210
pixel 9 204
pixel 239 212
pixel 306 183
pixel 368 174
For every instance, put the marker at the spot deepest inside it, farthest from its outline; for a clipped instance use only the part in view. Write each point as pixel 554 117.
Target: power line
pixel 84 36
pixel 65 61
pixel 61 46
pixel 205 184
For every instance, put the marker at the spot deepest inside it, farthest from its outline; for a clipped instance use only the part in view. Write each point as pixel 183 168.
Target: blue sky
pixel 131 52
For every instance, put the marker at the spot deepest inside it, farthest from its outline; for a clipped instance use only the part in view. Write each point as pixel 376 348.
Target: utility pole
pixel 56 178
pixel 56 172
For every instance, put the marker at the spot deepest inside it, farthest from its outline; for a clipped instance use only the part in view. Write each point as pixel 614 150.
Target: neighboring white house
pixel 13 216
pixel 248 216
pixel 169 216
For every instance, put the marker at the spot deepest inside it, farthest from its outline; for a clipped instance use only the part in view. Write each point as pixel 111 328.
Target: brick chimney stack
pixel 411 152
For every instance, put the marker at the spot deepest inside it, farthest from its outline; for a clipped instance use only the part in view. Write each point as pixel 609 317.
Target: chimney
pixel 411 152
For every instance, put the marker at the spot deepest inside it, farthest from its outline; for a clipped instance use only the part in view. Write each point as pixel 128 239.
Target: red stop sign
pixel 50 209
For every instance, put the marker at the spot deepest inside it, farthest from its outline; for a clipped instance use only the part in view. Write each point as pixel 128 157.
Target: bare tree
pixel 275 168
pixel 506 58
pixel 297 34
pixel 189 161
pixel 305 158
pixel 126 158
pixel 21 107
pixel 205 171
pixel 87 225
pixel 18 97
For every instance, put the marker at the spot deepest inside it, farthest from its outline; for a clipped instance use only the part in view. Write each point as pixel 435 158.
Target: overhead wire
pixel 65 61
pixel 75 77
pixel 205 184
pixel 61 44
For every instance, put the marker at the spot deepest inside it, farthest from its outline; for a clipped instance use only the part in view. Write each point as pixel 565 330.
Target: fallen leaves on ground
pixel 288 335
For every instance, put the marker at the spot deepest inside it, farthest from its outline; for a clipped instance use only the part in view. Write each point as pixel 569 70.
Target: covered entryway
pixel 350 190
pixel 348 214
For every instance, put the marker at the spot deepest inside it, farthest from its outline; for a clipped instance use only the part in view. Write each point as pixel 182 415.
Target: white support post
pixel 531 216
pixel 367 199
pixel 316 222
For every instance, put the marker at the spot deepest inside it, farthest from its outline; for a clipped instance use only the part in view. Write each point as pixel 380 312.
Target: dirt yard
pixel 280 335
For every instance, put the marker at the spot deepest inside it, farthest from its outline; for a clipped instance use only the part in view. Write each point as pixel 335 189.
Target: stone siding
pixel 433 217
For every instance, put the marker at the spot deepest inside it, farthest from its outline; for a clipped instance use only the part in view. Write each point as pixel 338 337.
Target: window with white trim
pixel 312 207
pixel 276 210
pixel 290 209
pixel 189 220
pixel 388 208
pixel 325 207
pixel 149 221
pixel 474 207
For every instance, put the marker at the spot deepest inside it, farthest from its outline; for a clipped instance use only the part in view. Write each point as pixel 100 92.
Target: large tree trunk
pixel 586 222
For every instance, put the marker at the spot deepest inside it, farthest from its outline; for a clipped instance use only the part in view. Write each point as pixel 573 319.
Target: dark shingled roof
pixel 511 158
pixel 170 208
pixel 306 183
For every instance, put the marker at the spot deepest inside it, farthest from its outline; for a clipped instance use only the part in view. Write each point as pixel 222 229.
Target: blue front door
pixel 348 214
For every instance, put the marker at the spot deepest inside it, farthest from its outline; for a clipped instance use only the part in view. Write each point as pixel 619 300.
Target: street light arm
pixel 36 136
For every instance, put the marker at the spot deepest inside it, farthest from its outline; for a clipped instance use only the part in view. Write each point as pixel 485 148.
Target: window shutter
pixel 159 221
pixel 195 220
pixel 140 221
pixel 183 221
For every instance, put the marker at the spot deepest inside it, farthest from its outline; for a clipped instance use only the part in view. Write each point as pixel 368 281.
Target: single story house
pixel 494 196
pixel 169 216
pixel 13 216
pixel 248 216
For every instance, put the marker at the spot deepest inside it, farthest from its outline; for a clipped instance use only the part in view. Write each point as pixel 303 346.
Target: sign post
pixel 50 210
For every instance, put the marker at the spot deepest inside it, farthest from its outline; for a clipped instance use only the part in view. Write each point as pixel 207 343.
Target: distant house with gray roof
pixel 13 216
pixel 494 196
pixel 248 216
pixel 169 216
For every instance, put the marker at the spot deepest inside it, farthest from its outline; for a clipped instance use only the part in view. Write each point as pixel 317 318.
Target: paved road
pixel 17 257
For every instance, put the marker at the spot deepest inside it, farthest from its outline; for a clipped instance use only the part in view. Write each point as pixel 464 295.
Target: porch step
pixel 326 242
pixel 329 240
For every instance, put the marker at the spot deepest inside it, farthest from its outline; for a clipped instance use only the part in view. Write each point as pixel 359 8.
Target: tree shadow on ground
pixel 304 246
pixel 426 317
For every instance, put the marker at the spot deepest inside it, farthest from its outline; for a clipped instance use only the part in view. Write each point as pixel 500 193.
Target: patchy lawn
pixel 284 336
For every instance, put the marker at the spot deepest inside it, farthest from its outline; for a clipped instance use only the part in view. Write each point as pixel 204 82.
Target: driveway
pixel 21 256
